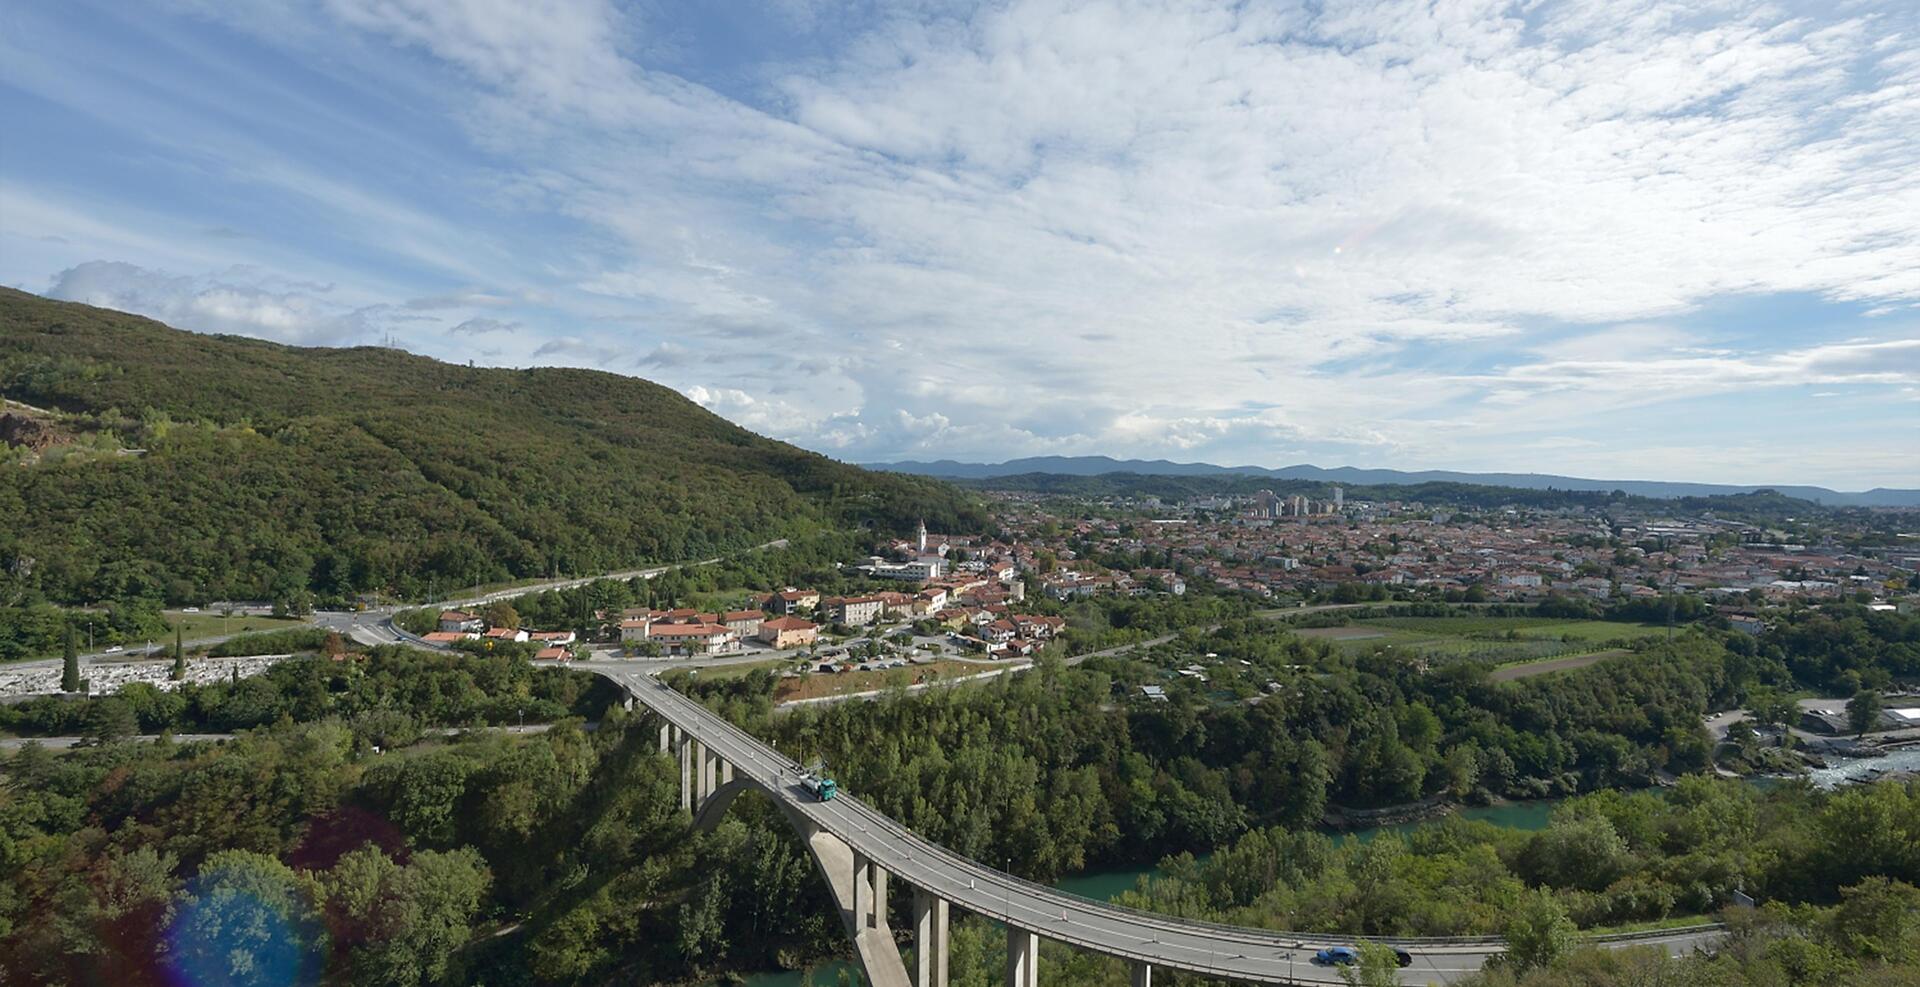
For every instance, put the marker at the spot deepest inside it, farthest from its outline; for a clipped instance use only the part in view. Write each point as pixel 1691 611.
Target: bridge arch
pixel 707 815
pixel 858 885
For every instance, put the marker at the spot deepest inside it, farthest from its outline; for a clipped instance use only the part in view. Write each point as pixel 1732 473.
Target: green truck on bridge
pixel 820 785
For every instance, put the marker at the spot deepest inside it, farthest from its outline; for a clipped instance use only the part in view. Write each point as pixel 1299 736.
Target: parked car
pixel 191 610
pixel 116 649
pixel 1337 956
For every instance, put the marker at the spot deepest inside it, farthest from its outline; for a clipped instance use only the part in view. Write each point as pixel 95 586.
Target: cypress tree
pixel 179 657
pixel 70 669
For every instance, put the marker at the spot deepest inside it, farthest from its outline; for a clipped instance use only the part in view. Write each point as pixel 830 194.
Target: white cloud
pixel 481 325
pixel 238 301
pixel 1139 227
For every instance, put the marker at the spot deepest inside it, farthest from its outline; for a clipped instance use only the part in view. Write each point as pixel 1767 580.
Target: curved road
pixel 1224 951
pixel 376 627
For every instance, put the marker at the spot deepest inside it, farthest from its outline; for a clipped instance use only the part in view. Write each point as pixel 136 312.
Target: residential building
pixel 791 601
pixel 693 639
pixel 787 632
pixel 460 620
pixel 744 623
pixel 855 611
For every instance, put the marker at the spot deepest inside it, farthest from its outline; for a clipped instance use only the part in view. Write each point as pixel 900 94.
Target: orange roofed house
pixel 693 639
pixel 788 632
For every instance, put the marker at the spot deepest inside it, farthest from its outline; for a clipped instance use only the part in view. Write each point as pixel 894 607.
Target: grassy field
pixel 1529 669
pixel 721 673
pixel 210 624
pixel 840 683
pixel 1500 640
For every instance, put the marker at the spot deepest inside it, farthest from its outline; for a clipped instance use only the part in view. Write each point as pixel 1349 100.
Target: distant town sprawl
pixel 1270 546
pixel 998 594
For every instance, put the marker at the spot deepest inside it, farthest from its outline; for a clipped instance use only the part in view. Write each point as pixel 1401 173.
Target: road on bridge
pixel 1254 955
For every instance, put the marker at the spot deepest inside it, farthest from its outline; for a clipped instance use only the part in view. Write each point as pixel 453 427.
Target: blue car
pixel 1337 956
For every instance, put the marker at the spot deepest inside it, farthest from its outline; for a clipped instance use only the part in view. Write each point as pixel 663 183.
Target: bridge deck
pixel 1231 952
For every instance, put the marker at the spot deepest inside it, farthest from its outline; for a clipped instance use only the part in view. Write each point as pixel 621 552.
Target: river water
pixel 1105 885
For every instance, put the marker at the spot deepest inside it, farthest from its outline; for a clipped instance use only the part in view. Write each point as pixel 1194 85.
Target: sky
pixel 1627 239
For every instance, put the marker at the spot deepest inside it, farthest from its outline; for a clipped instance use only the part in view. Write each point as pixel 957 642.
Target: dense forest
pixel 153 464
pixel 330 846
pixel 1068 768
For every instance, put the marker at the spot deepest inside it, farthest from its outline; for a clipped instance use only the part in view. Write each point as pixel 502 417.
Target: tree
pixel 1538 932
pixel 70 680
pixel 1863 711
pixel 1771 709
pixel 179 671
pixel 401 925
pixel 110 719
pixel 247 919
pixel 1378 967
pixel 1879 918
pixel 500 613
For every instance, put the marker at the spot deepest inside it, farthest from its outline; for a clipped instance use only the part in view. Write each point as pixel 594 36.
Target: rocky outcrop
pixel 28 433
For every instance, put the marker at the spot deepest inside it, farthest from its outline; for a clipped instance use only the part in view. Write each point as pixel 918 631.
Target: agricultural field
pixel 1500 640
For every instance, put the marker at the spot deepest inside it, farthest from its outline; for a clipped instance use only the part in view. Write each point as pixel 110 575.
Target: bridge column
pixel 707 772
pixel 1143 975
pixel 726 772
pixel 1023 958
pixel 686 774
pixel 879 897
pixel 665 736
pixel 862 891
pixel 929 940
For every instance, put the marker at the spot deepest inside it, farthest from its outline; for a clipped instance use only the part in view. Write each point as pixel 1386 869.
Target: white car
pixel 191 610
pixel 114 650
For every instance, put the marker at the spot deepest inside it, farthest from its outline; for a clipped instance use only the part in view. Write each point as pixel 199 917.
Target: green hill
pixel 150 462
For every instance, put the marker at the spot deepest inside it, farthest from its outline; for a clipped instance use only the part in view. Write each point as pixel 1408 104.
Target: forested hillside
pixel 150 462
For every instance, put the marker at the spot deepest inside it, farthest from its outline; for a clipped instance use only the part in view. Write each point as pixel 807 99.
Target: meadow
pixel 1499 640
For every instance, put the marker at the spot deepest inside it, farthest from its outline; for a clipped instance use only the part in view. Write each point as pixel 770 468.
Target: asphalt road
pixel 1170 943
pixel 375 627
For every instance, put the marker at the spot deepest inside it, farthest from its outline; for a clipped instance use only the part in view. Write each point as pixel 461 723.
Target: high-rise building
pixel 1339 498
pixel 1265 504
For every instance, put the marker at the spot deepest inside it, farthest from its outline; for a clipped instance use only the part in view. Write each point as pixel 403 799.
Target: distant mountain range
pixel 1098 465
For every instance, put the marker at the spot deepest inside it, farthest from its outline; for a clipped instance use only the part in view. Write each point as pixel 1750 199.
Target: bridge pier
pixel 666 736
pixel 863 869
pixel 929 940
pixel 1023 958
pixel 686 773
pixel 1143 975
